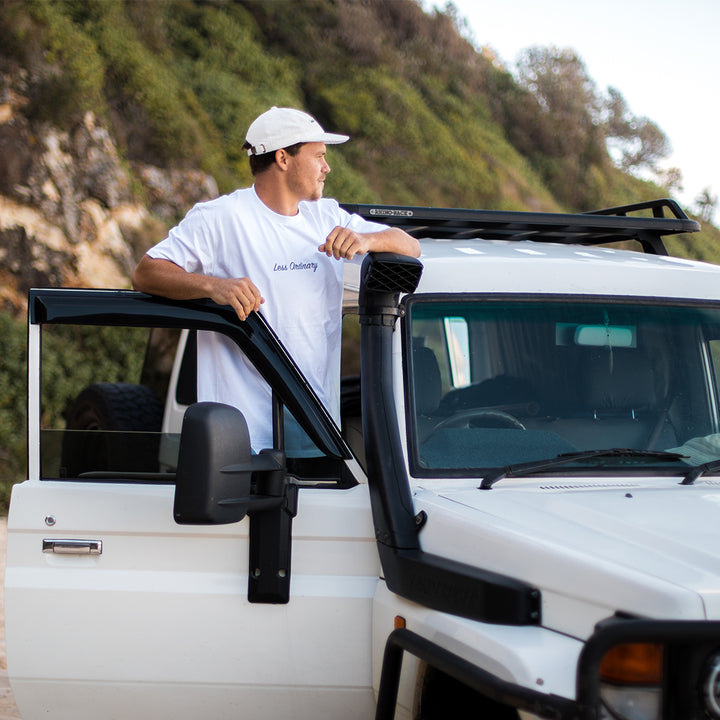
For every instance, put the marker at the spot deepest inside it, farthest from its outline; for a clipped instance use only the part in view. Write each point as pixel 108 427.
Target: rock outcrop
pixel 73 213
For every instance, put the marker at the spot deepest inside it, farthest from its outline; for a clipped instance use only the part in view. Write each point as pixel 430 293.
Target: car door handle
pixel 72 547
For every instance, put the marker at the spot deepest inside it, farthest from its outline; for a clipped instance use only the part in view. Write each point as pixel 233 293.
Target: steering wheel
pixel 484 418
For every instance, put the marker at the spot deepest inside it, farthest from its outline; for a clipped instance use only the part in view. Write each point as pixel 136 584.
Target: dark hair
pixel 260 163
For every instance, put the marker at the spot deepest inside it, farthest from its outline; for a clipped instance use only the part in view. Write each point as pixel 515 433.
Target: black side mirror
pixel 213 437
pixel 213 486
pixel 215 468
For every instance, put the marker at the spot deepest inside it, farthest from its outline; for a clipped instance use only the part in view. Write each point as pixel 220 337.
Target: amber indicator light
pixel 633 664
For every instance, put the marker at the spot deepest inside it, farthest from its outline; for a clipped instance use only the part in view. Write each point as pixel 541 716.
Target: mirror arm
pixel 255 503
pixel 271 510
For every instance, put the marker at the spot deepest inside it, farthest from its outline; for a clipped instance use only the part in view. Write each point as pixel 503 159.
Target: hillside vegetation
pixel 433 120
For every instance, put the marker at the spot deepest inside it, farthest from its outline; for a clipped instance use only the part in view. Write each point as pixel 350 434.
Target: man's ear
pixel 281 159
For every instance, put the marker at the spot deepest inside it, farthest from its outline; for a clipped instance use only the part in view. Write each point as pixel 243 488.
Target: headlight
pixel 631 680
pixel 711 686
pixel 641 669
pixel 629 703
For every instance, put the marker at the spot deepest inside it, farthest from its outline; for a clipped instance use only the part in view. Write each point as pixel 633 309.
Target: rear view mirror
pixel 616 336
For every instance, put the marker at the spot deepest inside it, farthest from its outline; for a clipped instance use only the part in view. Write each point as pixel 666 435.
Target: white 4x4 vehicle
pixel 520 517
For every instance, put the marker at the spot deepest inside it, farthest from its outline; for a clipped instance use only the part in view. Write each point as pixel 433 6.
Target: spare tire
pixel 115 406
pixel 112 427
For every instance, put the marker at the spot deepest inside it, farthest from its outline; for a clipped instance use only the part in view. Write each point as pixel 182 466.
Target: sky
pixel 662 55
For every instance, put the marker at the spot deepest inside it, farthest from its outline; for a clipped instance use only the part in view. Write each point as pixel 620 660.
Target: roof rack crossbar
pixel 598 227
pixel 657 207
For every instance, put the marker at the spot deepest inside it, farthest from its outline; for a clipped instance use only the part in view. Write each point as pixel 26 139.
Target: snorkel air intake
pixel 383 277
pixel 433 581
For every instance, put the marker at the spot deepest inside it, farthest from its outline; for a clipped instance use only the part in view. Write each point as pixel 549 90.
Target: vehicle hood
pixel 594 547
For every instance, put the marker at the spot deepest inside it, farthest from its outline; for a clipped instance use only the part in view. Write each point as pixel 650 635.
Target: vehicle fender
pixel 530 657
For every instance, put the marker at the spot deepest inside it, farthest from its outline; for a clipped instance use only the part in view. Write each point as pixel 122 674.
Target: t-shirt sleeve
pixel 188 244
pixel 358 223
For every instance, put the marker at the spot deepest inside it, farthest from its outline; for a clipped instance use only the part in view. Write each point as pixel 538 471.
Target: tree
pixel 635 143
pixel 671 179
pixel 564 131
pixel 706 203
pixel 558 80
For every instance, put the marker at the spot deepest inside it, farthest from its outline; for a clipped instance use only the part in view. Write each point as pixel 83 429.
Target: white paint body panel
pixel 477 266
pixel 160 621
pixel 533 657
pixel 646 547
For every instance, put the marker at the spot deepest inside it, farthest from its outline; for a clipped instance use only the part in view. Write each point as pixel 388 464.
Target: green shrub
pixel 69 76
pixel 13 399
pixel 73 357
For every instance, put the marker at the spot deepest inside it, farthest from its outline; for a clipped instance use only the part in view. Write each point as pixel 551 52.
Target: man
pixel 275 245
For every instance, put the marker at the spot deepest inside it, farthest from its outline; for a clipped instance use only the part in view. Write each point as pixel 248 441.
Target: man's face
pixel 307 171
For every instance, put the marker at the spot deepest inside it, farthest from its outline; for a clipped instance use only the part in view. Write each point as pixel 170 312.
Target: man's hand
pixel 240 293
pixel 343 243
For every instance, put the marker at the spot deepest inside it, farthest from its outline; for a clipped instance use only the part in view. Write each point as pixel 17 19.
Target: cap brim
pixel 333 139
pixel 287 141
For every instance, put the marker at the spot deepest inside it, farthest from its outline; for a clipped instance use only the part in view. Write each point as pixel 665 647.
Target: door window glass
pixel 97 416
pixel 104 405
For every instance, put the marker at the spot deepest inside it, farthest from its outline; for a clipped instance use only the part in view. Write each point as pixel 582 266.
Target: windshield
pixel 499 382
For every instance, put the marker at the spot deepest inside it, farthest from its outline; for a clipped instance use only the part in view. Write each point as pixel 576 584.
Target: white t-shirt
pixel 237 235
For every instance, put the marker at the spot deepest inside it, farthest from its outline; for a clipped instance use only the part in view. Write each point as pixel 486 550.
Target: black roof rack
pixel 598 227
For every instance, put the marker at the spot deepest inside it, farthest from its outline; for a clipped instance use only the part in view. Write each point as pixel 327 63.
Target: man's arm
pixel 163 277
pixel 345 243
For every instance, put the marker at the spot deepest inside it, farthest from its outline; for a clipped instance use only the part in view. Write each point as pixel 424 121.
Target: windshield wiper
pixel 536 466
pixel 699 471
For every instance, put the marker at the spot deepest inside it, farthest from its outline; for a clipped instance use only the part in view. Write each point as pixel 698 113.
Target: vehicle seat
pixel 616 402
pixel 427 390
pixel 617 383
pixel 351 414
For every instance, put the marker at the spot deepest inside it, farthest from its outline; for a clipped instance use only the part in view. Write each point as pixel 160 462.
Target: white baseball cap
pixel 282 127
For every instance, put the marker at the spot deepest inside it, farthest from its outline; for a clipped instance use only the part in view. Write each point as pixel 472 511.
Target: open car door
pixel 115 609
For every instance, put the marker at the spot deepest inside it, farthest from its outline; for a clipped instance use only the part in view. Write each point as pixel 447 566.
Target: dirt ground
pixel 8 711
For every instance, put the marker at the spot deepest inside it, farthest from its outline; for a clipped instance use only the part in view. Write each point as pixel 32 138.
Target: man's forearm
pixel 394 240
pixel 163 277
